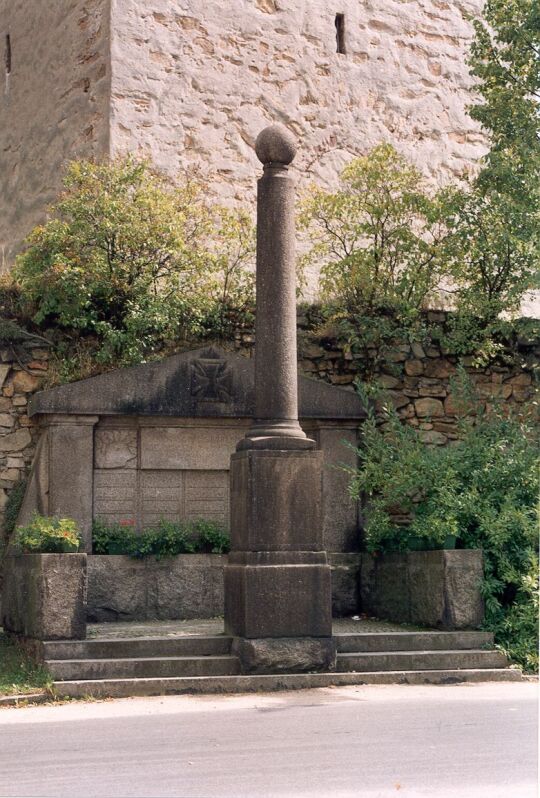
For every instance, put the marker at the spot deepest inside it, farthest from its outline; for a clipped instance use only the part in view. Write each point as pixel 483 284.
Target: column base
pixel 278 595
pixel 285 654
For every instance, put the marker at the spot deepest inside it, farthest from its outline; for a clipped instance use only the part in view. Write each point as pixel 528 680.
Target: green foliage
pixel 167 539
pixel 380 237
pixel 483 490
pixel 133 263
pixel 11 510
pixel 18 673
pixel 495 260
pixel 46 535
pixel 505 59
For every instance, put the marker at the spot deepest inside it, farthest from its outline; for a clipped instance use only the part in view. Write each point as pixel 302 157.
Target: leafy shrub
pixel 167 539
pixel 112 538
pixel 211 537
pixel 48 535
pixel 134 263
pixel 380 237
pixel 483 490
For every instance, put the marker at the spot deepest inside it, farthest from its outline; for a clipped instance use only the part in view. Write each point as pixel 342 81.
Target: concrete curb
pixel 24 699
pixel 123 688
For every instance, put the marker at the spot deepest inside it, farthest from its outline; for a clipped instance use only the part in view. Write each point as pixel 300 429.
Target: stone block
pixel 115 448
pixel 70 457
pixel 23 382
pixel 44 596
pixel 278 600
pixel 117 588
pixel 440 589
pixel 182 587
pixel 285 655
pixel 414 368
pixel 429 408
pixel 339 510
pixel 276 501
pixel 115 494
pixel 4 371
pixel 345 569
pixel 186 586
pixel 15 441
pixel 384 586
pixel 188 448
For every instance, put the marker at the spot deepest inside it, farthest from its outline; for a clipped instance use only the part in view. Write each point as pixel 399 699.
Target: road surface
pixel 464 741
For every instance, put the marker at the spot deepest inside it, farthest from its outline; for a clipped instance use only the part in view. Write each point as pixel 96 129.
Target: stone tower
pixel 191 82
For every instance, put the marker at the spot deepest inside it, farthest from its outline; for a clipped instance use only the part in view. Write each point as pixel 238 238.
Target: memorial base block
pixel 285 654
pixel 277 580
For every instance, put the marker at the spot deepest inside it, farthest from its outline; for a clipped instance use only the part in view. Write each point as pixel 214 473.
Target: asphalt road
pixel 472 741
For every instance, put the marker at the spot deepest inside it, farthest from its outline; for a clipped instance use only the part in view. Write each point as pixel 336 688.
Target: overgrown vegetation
pixel 389 247
pixel 18 673
pixel 131 265
pixel 167 539
pixel 11 511
pixel 483 491
pixel 48 535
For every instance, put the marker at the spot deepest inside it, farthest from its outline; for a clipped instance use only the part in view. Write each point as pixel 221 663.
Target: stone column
pixel 277 580
pixel 276 373
pixel 71 470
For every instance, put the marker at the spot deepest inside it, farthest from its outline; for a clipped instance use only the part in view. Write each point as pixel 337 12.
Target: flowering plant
pixel 48 535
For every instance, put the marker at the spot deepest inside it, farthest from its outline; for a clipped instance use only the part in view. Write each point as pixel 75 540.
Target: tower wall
pixel 194 81
pixel 53 103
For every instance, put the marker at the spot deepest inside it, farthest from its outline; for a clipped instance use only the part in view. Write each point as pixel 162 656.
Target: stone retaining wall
pixel 22 371
pixel 418 379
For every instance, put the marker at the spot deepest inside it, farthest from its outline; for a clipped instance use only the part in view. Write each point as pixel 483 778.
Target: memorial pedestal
pixel 277 581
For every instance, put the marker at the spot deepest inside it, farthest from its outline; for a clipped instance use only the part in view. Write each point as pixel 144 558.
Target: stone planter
pixel 44 596
pixel 121 588
pixel 440 589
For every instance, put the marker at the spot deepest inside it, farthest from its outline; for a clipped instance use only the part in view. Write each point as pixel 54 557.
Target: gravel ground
pixel 214 626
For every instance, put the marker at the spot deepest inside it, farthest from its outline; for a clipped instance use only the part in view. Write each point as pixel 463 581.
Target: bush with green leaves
pixel 166 539
pixel 133 263
pixel 379 237
pixel 48 535
pixel 483 490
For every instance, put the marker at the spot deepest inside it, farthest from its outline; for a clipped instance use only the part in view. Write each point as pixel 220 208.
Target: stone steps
pixel 203 663
pixel 142 667
pixel 412 641
pixel 420 660
pixel 118 688
pixel 122 648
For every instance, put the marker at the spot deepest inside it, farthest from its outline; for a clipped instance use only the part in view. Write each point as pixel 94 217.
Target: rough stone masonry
pixel 190 83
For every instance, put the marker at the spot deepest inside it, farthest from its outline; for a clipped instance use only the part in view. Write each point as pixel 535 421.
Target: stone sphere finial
pixel 275 144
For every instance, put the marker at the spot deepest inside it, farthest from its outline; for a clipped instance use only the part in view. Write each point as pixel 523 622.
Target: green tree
pixel 496 223
pixel 379 237
pixel 131 261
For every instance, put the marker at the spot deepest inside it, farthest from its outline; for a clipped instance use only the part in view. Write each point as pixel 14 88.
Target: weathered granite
pixel 70 454
pixel 275 423
pixel 185 586
pixel 44 596
pixel 276 501
pixel 268 595
pixel 345 571
pixel 277 579
pixel 439 589
pixel 285 655
pixel 174 387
